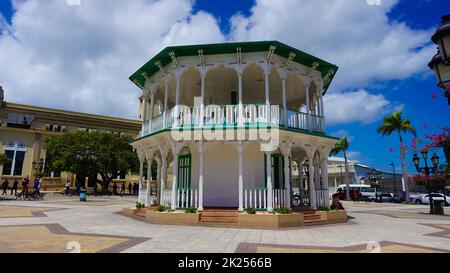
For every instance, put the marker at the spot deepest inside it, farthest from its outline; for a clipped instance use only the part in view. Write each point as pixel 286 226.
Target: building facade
pixel 230 122
pixel 23 129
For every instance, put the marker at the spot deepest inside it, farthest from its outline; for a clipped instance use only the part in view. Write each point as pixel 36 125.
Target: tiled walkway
pixel 98 226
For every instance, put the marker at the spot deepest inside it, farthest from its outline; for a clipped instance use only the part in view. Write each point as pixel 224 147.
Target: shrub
pixel 190 210
pixel 140 205
pixel 324 209
pixel 250 210
pixel 282 211
pixel 161 208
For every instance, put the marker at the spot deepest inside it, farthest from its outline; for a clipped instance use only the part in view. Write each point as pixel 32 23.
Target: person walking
pixel 5 186
pixel 122 189
pixel 25 184
pixel 14 187
pixel 130 188
pixel 37 184
pixel 115 188
pixel 68 184
pixel 95 188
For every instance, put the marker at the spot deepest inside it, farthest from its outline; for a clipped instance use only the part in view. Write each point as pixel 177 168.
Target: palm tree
pixel 395 123
pixel 342 146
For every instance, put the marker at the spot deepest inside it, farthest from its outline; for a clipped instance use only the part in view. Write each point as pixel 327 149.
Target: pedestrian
pixel 130 188
pixel 122 189
pixel 336 203
pixel 68 184
pixel 115 188
pixel 37 184
pixel 14 187
pixel 5 186
pixel 25 184
pixel 136 188
pixel 95 188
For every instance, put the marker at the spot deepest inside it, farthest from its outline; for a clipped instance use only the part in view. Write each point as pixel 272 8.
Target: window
pixel 15 150
pixel 55 128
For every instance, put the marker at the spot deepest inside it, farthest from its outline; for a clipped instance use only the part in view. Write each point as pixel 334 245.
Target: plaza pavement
pixel 63 224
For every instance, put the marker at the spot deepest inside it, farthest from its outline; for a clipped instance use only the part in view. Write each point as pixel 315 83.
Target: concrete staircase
pixel 217 217
pixel 311 218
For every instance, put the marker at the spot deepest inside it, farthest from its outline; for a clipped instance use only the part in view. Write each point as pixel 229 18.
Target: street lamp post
pixel 427 170
pixel 395 179
pixel 440 62
pixel 88 156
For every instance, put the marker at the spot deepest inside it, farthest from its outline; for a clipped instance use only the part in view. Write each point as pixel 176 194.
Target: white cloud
pixel 80 57
pixel 358 37
pixel 343 133
pixel 358 106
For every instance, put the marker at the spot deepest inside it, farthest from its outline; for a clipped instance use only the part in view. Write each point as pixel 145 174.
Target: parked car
pixel 425 198
pixel 387 197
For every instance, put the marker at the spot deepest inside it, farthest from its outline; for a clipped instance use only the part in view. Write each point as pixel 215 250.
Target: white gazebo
pixel 231 121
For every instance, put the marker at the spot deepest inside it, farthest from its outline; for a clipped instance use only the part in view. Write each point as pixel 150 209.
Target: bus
pixel 367 192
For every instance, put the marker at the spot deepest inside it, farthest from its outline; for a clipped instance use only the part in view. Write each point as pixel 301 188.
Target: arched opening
pixel 275 88
pixel 295 92
pixel 190 87
pixel 221 86
pixel 300 177
pixel 253 85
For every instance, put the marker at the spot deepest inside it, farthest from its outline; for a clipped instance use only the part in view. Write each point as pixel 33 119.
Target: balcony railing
pixel 229 116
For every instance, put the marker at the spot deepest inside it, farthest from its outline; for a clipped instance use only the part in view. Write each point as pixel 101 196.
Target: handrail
pixel 229 115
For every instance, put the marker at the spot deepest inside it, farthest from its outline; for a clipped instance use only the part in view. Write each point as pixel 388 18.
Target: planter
pixel 172 218
pixel 333 217
pixel 270 220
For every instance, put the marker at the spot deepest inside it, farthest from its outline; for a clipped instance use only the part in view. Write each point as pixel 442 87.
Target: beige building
pixel 23 129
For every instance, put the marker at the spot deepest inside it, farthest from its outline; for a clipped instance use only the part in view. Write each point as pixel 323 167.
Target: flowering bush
pixel 435 182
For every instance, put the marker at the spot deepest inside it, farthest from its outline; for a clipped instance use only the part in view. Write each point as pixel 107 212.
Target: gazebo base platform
pixel 232 218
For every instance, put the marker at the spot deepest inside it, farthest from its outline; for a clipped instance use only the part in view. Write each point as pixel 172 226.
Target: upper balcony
pixel 233 116
pixel 275 84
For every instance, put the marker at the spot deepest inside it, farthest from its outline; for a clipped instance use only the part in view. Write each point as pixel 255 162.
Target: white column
pixel 269 182
pixel 308 107
pixel 141 179
pixel 300 177
pixel 287 178
pixel 202 103
pixel 152 110
pixel 312 186
pixel 285 116
pixel 241 100
pixel 325 181
pixel 166 101
pixel 322 111
pixel 149 179
pixel 200 179
pixel 177 99
pixel 267 85
pixel 163 176
pixel 241 176
pixel 174 182
pixel 144 110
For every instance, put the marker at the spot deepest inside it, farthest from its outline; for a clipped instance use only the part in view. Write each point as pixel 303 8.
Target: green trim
pixel 283 50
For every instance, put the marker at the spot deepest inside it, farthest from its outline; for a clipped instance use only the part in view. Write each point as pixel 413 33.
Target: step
pixel 312 217
pixel 218 218
pixel 219 214
pixel 314 222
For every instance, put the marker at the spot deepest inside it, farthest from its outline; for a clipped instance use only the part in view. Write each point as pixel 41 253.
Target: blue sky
pixel 412 89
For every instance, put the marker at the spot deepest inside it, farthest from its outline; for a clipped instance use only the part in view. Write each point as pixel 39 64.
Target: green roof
pixel 150 68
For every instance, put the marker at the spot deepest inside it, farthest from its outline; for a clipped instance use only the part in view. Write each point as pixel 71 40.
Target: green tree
pixel 89 154
pixel 4 159
pixel 342 146
pixel 395 123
